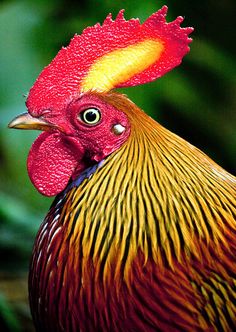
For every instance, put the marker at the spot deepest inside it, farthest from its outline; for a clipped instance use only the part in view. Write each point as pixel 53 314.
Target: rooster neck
pixel 157 194
pixel 156 208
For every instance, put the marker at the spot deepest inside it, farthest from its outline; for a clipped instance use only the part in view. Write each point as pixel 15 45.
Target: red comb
pixel 119 53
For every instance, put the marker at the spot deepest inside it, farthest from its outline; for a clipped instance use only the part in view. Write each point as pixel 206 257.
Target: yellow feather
pixel 156 195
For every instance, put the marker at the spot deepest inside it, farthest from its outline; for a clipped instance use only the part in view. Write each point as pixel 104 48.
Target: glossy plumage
pixel 142 234
pixel 145 243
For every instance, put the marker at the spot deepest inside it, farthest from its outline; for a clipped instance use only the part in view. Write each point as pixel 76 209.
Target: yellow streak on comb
pixel 122 64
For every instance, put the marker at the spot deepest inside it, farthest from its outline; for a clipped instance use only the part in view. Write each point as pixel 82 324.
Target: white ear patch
pixel 118 129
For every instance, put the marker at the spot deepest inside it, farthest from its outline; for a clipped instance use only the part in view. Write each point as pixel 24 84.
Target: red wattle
pixel 51 163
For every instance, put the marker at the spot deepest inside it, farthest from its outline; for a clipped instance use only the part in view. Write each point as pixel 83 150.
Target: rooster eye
pixel 90 116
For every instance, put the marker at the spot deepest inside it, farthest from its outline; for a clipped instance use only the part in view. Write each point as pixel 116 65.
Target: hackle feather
pixel 149 239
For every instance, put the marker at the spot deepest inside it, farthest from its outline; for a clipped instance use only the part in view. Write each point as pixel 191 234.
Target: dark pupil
pixel 90 116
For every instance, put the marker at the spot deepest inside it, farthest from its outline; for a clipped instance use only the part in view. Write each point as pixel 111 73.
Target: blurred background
pixel 196 100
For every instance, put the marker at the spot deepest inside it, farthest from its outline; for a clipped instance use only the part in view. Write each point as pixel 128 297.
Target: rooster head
pixel 67 101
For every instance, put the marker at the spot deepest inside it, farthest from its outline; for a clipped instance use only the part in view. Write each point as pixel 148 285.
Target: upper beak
pixel 26 121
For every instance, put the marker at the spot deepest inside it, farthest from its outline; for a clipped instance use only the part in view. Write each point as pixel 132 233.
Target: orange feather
pixel 147 243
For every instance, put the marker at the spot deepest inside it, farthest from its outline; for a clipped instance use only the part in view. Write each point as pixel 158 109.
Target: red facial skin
pixel 59 155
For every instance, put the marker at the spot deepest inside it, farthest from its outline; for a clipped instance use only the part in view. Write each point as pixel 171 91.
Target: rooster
pixel 142 233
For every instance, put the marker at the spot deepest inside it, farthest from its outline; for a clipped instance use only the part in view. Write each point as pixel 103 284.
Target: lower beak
pixel 26 121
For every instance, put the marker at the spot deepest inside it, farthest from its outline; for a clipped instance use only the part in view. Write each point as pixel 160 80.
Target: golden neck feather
pixel 157 194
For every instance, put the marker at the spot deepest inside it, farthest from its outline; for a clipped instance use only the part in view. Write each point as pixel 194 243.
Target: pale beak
pixel 28 122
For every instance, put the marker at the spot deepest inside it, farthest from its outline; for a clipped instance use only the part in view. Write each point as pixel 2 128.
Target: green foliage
pixel 196 100
pixel 10 322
